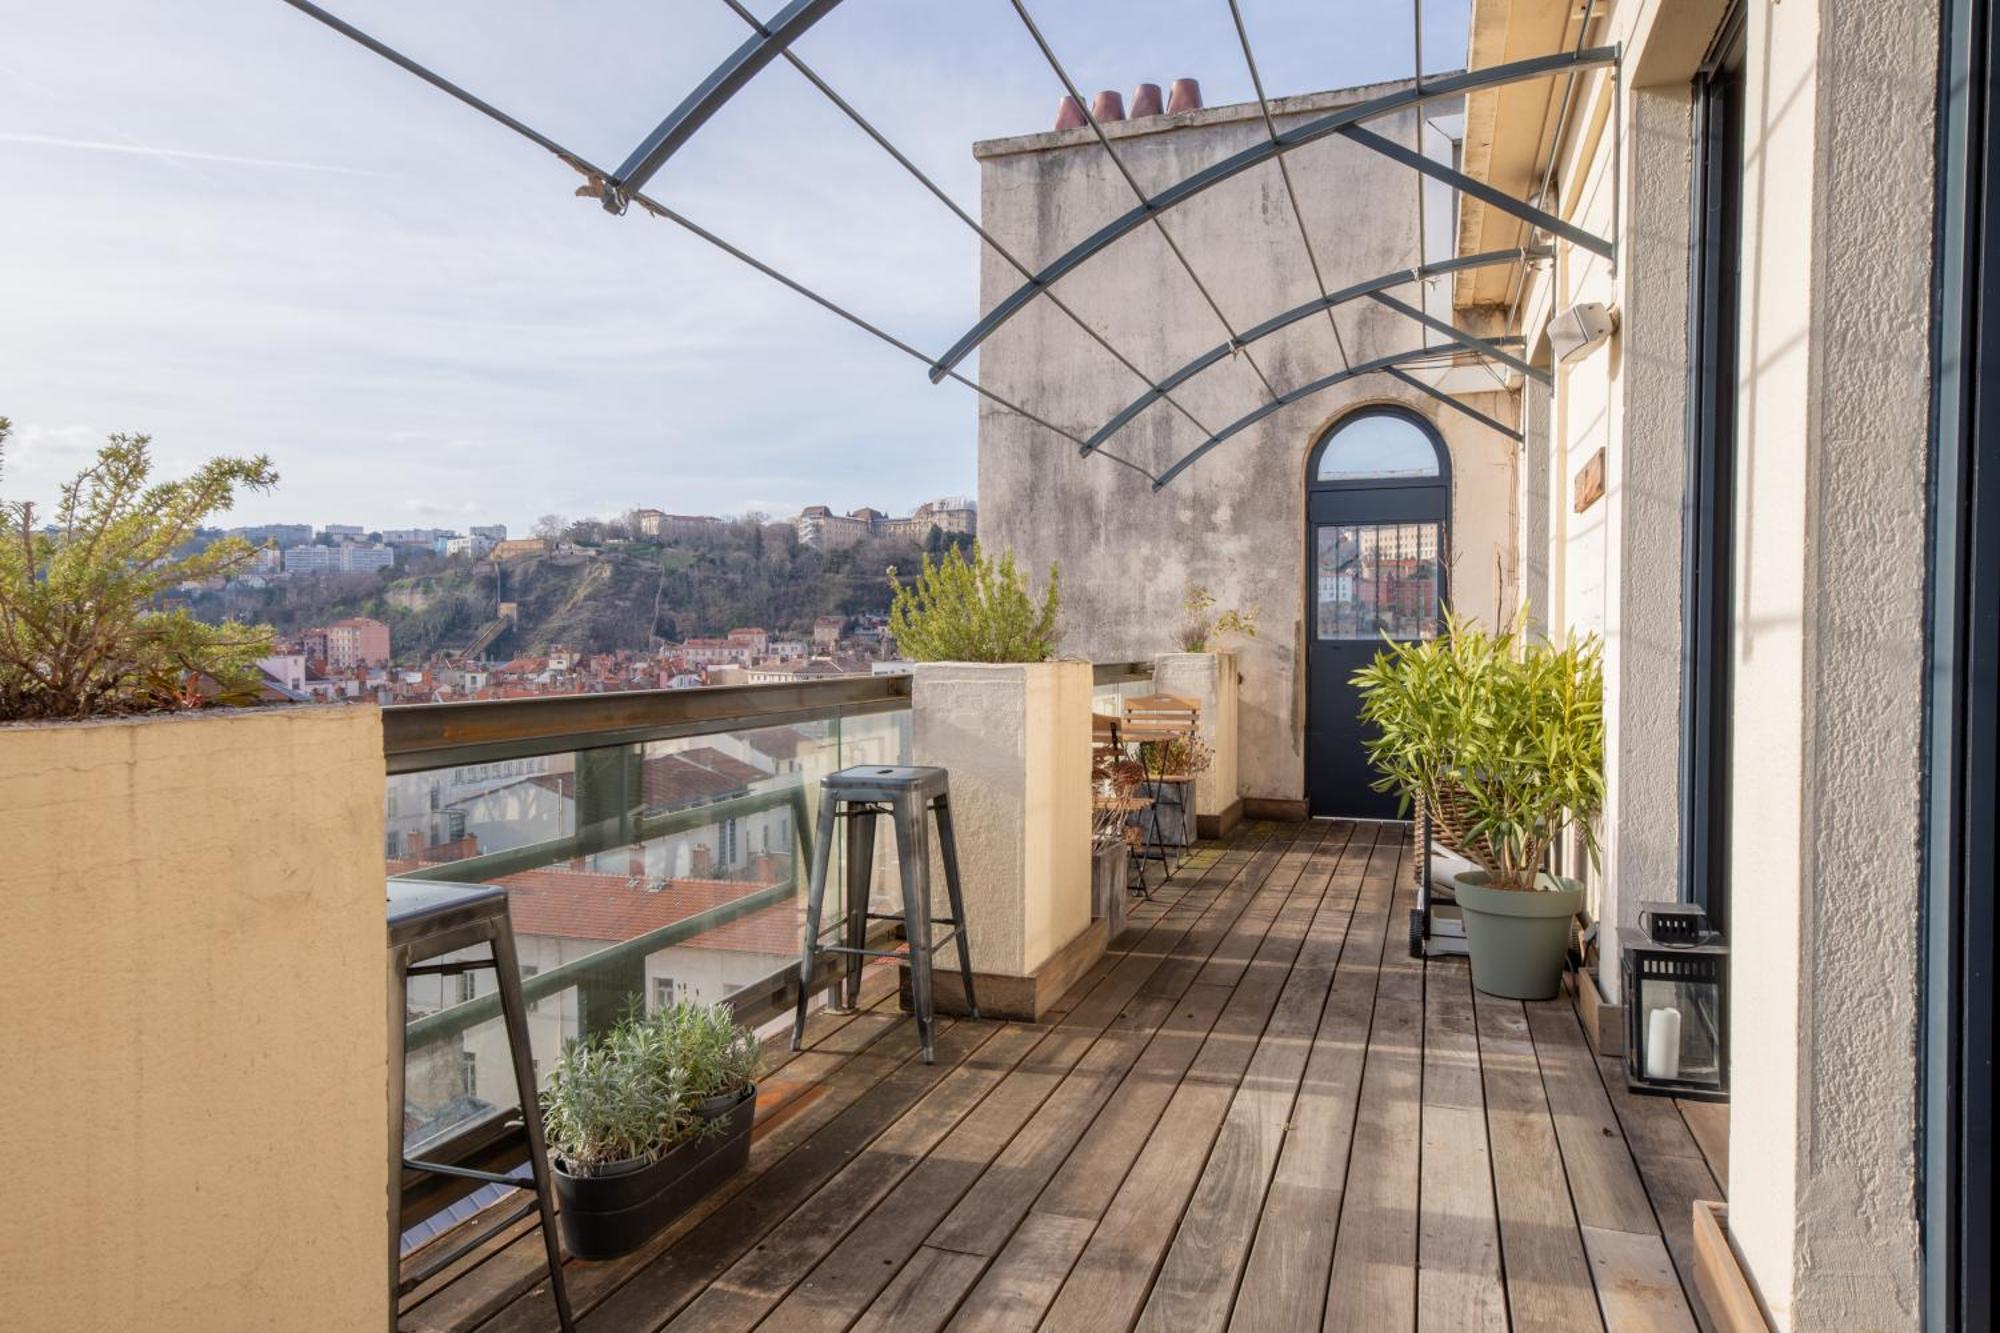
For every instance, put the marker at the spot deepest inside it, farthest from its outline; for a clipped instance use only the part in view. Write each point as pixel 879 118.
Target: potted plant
pixel 1011 725
pixel 643 1120
pixel 1503 738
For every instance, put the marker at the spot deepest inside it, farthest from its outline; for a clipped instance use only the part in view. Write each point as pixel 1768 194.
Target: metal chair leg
pixel 948 847
pixel 399 1017
pixel 914 856
pixel 815 899
pixel 514 1009
pixel 860 882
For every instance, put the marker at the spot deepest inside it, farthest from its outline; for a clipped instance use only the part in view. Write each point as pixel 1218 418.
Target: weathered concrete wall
pixel 1016 738
pixel 192 970
pixel 1234 522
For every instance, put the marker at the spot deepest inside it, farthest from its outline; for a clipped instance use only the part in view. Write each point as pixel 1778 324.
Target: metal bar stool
pixel 427 921
pixel 862 795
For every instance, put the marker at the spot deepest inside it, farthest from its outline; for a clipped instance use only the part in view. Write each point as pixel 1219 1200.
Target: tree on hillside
pixel 550 527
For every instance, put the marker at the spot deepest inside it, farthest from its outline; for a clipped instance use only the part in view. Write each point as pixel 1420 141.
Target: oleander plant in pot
pixel 644 1119
pixel 1502 736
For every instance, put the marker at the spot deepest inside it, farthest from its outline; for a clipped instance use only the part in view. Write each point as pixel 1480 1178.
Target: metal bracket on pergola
pixel 772 39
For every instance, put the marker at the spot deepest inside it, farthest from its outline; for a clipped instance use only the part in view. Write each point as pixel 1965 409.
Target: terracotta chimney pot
pixel 1146 100
pixel 1069 114
pixel 1107 106
pixel 1185 97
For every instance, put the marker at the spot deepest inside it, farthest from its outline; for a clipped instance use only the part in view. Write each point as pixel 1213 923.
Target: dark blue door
pixel 1378 510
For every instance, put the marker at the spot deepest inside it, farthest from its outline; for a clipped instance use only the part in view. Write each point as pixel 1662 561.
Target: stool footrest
pixel 468 1173
pixel 936 944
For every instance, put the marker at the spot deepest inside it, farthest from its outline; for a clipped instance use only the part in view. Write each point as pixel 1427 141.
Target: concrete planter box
pixel 1016 740
pixel 193 967
pixel 1210 679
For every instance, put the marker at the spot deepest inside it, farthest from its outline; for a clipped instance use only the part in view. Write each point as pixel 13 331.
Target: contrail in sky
pixel 177 154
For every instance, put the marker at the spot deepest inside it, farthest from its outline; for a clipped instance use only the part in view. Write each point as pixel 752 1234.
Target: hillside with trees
pixel 610 590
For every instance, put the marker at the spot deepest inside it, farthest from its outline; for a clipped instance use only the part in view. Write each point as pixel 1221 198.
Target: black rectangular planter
pixel 602 1217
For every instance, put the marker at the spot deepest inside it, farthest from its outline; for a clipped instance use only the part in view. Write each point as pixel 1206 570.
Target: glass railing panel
pixel 638 875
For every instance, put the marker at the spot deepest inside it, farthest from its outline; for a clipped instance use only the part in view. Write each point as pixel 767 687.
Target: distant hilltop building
pixel 519 547
pixel 347 558
pixel 821 528
pixel 659 523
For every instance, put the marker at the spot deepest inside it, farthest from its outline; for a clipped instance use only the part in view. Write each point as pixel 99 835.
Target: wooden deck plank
pixel 1284 1280
pixel 923 1294
pixel 1372 1284
pixel 1549 1286
pixel 1459 1286
pixel 750 1286
pixel 1111 1278
pixel 1636 1285
pixel 1604 1183
pixel 982 1221
pixel 1197 1283
pixel 1672 1165
pixel 1709 1123
pixel 847 1280
pixel 1021 1283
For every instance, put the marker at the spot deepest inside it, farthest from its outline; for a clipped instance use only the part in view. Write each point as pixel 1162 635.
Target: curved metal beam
pixel 728 79
pixel 1398 373
pixel 1480 190
pixel 1306 390
pixel 1447 85
pixel 1458 335
pixel 1286 320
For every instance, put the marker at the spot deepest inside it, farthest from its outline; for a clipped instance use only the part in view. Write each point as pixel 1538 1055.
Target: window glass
pixel 1376 579
pixel 1376 446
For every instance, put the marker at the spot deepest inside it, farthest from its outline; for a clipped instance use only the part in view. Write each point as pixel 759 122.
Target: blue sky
pixel 224 224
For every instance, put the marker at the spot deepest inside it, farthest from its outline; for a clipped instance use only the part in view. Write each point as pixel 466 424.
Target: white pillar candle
pixel 1663 1044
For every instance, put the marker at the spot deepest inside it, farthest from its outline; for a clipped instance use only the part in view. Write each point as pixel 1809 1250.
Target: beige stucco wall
pixel 1016 739
pixel 196 1028
pixel 1827 658
pixel 1235 521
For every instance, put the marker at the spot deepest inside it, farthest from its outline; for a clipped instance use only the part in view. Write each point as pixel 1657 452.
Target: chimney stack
pixel 1107 106
pixel 1146 100
pixel 1069 114
pixel 1186 97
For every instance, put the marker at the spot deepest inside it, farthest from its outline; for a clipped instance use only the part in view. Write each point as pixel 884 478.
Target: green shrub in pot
pixel 711 1055
pixel 608 1107
pixel 1507 733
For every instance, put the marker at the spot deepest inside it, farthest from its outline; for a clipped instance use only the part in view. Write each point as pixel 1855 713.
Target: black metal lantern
pixel 1676 1013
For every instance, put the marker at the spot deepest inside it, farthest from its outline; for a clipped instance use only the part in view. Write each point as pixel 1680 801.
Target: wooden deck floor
pixel 1257 1112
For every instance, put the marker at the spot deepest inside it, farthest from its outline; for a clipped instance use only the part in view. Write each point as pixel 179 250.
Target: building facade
pixel 1235 523
pixel 819 527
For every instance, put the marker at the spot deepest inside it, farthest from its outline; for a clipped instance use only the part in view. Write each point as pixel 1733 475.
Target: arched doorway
pixel 1378 528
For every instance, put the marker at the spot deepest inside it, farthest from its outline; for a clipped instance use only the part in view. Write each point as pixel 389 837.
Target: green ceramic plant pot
pixel 1517 937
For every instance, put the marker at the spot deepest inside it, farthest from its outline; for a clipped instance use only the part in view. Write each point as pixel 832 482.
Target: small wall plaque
pixel 1590 482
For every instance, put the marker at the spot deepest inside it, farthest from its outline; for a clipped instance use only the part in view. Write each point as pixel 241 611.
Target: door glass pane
pixel 1375 446
pixel 1376 579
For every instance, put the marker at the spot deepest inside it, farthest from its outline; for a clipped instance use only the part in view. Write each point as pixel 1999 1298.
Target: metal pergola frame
pixel 772 40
